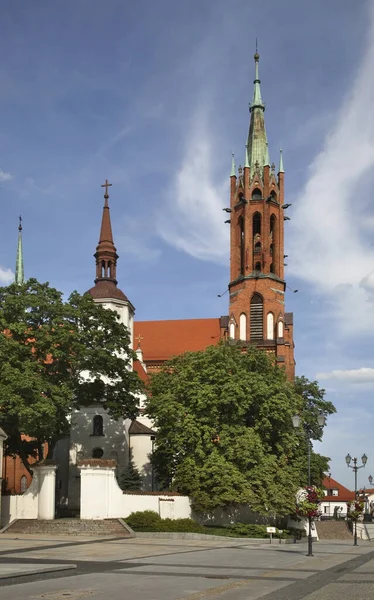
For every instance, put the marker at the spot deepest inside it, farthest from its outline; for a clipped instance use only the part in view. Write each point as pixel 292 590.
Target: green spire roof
pixel 281 168
pixel 19 278
pixel 257 139
pixel 233 167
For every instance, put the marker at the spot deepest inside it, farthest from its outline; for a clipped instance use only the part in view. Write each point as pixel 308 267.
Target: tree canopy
pixel 57 356
pixel 225 432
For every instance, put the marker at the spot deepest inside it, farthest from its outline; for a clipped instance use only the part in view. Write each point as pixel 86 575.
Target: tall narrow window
pixel 23 484
pixel 280 329
pixel 270 326
pixel 256 222
pixel 272 268
pixel 232 331
pixel 98 425
pixel 110 268
pixel 103 268
pixel 273 243
pixel 242 245
pixel 243 327
pixel 258 267
pixel 256 317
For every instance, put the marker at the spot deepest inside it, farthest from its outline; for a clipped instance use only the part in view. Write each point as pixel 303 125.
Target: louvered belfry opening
pixel 256 317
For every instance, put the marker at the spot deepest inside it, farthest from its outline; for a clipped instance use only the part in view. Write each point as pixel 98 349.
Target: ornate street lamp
pixel 370 478
pixel 355 467
pixel 297 422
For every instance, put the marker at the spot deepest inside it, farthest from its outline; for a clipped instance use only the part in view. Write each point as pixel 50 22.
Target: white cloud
pixel 6 276
pixel 362 375
pixel 329 246
pixel 5 176
pixel 193 220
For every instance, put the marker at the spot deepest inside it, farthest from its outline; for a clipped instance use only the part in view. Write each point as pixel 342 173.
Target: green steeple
pixel 281 168
pixel 19 278
pixel 257 139
pixel 233 167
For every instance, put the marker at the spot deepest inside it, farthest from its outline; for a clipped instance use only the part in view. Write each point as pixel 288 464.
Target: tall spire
pixel 19 278
pixel 257 139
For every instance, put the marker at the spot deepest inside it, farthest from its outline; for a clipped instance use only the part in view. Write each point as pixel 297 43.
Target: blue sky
pixel 154 96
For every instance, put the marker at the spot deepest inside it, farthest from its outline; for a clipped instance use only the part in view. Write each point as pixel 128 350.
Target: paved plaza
pixel 63 568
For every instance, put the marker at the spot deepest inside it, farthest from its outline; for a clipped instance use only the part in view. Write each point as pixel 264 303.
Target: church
pixel 256 213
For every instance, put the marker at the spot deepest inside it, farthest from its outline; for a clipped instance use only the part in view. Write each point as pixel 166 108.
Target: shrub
pixel 253 531
pixel 146 520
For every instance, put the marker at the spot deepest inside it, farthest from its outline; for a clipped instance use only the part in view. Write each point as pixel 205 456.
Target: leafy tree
pixel 130 478
pixel 225 433
pixel 57 356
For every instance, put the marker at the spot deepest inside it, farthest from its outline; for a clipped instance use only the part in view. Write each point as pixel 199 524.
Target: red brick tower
pixel 257 286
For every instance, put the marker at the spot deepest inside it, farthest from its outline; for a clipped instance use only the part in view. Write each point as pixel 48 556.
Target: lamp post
pixel 297 422
pixel 355 467
pixel 370 478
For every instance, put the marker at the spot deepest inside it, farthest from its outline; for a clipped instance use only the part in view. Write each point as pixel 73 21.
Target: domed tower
pixel 105 290
pixel 257 286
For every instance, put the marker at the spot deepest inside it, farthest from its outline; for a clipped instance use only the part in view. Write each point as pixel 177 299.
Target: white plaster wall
pixel 330 506
pixel 82 444
pixel 23 506
pixel 141 446
pixel 102 498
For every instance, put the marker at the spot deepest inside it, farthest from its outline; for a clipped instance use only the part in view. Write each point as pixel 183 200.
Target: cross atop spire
pixel 106 195
pixel 19 277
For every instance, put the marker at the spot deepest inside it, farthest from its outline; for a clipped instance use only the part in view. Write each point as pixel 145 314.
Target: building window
pixel 271 268
pixel 258 266
pixel 23 484
pixel 280 329
pixel 256 317
pixel 256 194
pixel 98 425
pixel 232 331
pixel 256 224
pixel 335 492
pixel 242 245
pixel 97 453
pixel 270 326
pixel 243 327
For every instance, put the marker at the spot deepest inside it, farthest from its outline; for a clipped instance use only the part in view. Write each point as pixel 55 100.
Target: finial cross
pixel 106 185
pixel 139 338
pixel 20 223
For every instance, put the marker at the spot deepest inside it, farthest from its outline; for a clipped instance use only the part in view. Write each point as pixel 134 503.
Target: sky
pixel 154 96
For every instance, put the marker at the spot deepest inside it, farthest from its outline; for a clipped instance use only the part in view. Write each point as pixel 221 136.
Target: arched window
pixel 273 242
pixel 232 331
pixel 103 268
pixel 256 317
pixel 273 195
pixel 256 194
pixel 97 453
pixel 23 484
pixel 270 326
pixel 243 327
pixel 271 268
pixel 257 247
pixel 242 245
pixel 256 224
pixel 258 266
pixel 280 329
pixel 98 425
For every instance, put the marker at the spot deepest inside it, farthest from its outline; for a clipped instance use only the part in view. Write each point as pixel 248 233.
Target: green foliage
pixel 130 478
pixel 145 520
pixel 225 434
pixel 45 346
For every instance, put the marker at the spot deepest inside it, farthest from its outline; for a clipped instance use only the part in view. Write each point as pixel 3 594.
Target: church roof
pixel 138 428
pixel 139 369
pixel 163 339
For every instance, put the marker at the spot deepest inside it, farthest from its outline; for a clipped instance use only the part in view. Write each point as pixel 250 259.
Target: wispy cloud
pixel 5 176
pixel 193 220
pixel 6 276
pixel 362 375
pixel 329 237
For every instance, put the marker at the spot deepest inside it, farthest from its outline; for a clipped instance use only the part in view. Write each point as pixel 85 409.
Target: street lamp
pixel 370 478
pixel 297 422
pixel 355 467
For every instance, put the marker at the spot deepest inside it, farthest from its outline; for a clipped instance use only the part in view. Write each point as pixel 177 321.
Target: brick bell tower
pixel 257 286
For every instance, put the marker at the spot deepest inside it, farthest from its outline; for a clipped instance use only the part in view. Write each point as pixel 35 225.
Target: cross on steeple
pixel 139 338
pixel 106 185
pixel 20 223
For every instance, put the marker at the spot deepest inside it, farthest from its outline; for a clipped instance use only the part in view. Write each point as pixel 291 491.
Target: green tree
pixel 57 356
pixel 130 478
pixel 225 433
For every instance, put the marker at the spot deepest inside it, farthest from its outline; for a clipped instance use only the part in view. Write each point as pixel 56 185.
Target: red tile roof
pixel 344 494
pixel 138 367
pixel 163 339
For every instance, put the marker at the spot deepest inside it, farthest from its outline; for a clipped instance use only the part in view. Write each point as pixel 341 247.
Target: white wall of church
pixel 141 447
